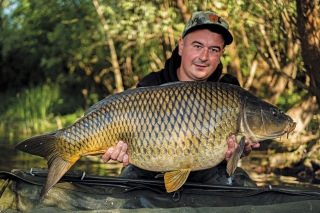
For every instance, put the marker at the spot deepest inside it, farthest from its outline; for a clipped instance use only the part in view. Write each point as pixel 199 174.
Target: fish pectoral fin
pixel 233 161
pixel 175 179
pixel 94 153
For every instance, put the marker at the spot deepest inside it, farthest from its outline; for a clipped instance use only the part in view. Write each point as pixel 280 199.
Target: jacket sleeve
pixel 151 79
pixel 230 79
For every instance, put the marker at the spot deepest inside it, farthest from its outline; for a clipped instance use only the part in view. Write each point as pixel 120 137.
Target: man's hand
pixel 119 153
pixel 232 145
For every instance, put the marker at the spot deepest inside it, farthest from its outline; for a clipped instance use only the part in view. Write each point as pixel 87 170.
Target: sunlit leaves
pixel 65 42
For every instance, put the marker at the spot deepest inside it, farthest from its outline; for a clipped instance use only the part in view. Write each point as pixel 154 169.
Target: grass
pixel 32 111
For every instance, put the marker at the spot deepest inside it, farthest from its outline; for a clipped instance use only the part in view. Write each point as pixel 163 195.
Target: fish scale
pixel 195 124
pixel 173 128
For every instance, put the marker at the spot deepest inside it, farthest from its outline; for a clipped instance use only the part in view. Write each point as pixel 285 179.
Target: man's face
pixel 200 53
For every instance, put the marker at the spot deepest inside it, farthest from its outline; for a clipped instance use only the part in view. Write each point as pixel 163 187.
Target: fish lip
pixel 263 137
pixel 289 128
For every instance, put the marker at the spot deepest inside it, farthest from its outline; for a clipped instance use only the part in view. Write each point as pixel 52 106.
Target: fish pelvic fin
pixel 233 161
pixel 43 145
pixel 175 179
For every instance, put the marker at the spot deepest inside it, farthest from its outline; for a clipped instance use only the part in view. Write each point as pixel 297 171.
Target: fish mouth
pixel 290 127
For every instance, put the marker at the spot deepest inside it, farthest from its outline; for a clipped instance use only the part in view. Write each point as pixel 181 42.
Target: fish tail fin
pixel 57 168
pixel 43 145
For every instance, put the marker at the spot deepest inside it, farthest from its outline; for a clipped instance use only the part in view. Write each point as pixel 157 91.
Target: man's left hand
pixel 232 145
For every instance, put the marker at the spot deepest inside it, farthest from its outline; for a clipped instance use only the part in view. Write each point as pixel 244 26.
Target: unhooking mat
pixel 77 192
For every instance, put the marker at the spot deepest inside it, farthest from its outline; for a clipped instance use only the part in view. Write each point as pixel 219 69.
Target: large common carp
pixel 173 128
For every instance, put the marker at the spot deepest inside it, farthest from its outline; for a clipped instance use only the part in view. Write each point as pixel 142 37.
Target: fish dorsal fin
pixel 103 102
pixel 233 161
pixel 175 179
pixel 94 107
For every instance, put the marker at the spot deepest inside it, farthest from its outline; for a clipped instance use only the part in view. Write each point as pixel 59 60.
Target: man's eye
pixel 215 50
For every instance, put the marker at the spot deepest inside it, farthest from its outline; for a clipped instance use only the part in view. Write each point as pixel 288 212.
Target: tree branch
pixel 279 72
pixel 114 59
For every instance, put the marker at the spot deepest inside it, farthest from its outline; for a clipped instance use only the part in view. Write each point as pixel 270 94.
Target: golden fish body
pixel 174 128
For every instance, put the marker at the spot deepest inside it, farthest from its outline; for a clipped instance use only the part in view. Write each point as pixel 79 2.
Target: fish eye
pixel 275 112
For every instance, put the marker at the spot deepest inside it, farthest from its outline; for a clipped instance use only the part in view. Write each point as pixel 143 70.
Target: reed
pixel 30 111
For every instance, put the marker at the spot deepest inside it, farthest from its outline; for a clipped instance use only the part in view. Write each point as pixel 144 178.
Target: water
pixel 92 165
pixel 265 175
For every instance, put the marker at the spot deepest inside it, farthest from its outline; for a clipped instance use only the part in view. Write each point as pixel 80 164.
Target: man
pixel 196 58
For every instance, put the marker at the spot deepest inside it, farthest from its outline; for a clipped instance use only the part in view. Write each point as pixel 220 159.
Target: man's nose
pixel 204 54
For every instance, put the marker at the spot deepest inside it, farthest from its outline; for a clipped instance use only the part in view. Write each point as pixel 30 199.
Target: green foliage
pixel 34 110
pixel 66 43
pixel 31 109
pixel 289 99
pixel 314 125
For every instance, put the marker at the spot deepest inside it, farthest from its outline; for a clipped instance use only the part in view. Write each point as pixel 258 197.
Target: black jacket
pixel 169 73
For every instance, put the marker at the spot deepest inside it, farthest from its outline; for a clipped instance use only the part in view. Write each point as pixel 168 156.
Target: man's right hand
pixel 119 153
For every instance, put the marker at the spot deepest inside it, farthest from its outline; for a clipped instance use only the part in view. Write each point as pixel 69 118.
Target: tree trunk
pixel 303 112
pixel 234 67
pixel 308 27
pixel 114 59
pixel 278 82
